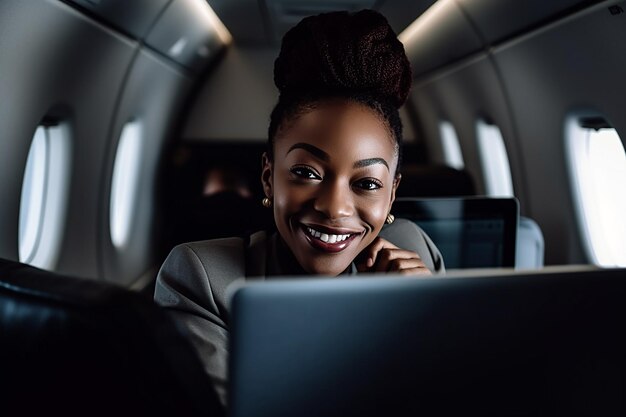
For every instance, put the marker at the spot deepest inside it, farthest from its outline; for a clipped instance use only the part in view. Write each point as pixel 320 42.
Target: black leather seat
pixel 72 346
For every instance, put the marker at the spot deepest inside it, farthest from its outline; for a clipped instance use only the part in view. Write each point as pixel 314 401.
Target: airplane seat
pixel 435 181
pixel 71 346
pixel 529 249
pixel 227 214
pixel 470 231
pixel 221 215
pixel 222 202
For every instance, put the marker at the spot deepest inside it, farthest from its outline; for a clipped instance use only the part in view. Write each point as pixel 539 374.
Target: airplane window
pixel 495 160
pixel 44 196
pixel 598 172
pixel 124 183
pixel 451 147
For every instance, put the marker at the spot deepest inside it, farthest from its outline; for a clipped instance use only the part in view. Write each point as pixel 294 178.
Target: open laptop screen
pixel 472 232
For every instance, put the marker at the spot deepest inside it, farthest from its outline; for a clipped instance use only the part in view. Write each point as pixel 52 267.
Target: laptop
pixel 470 232
pixel 492 343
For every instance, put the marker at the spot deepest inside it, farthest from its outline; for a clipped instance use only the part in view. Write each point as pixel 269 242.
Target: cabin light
pixel 423 23
pixel 204 10
pixel 178 47
pixel 203 51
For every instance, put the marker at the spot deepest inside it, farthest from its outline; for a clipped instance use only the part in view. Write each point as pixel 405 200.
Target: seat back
pixel 72 346
pixel 434 181
pixel 530 245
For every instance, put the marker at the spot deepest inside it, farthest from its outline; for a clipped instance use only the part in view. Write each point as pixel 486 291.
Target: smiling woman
pixel 330 175
pixel 332 185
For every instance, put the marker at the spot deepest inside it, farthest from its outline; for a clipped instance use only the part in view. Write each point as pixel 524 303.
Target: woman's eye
pixel 306 173
pixel 369 184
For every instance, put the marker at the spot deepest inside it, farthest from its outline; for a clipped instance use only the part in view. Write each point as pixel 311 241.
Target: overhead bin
pixel 285 14
pixel 499 20
pixel 451 30
pixel 189 33
pixel 439 36
pixel 133 17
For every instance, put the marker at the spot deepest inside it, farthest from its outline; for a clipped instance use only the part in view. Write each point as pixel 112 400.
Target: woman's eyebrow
pixel 317 152
pixel 320 154
pixel 370 161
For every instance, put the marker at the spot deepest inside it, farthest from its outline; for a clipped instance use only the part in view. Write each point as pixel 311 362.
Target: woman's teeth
pixel 325 237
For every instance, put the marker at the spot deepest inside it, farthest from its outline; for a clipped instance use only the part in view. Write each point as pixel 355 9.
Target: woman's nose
pixel 335 201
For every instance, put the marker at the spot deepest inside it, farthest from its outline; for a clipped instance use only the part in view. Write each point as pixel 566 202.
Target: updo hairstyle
pixel 353 56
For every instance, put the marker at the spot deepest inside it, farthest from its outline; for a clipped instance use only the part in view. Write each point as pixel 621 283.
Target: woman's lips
pixel 328 242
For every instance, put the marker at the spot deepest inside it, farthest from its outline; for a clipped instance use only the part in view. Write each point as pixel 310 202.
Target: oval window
pixel 44 196
pixel 495 161
pixel 597 163
pixel 124 183
pixel 451 147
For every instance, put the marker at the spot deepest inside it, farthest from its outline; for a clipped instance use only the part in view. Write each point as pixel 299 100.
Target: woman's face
pixel 332 183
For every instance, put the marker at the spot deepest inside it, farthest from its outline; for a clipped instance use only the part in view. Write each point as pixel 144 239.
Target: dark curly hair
pixel 353 56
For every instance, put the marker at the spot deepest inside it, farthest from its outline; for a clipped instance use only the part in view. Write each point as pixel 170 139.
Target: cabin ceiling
pixel 262 23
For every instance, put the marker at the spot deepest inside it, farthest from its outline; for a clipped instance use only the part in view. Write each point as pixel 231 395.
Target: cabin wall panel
pixel 154 95
pixel 236 101
pixel 462 96
pixel 576 64
pixel 134 17
pixel 52 57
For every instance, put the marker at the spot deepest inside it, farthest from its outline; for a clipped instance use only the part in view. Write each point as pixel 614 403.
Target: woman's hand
pixel 383 256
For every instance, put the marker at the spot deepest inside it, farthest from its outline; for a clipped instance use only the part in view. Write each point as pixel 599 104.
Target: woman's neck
pixel 286 260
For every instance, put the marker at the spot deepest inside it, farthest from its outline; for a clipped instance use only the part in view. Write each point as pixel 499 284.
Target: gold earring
pixel 266 202
pixel 390 218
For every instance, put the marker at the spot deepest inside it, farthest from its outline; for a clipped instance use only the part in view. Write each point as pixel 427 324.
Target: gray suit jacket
pixel 192 284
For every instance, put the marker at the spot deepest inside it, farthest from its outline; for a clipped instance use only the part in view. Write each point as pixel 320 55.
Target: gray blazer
pixel 192 284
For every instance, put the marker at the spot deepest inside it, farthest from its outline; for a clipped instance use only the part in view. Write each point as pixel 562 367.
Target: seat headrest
pixel 435 181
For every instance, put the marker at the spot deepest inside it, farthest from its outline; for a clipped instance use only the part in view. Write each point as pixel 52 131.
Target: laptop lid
pixel 519 344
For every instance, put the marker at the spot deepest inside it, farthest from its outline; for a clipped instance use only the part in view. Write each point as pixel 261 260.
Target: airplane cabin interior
pixel 128 127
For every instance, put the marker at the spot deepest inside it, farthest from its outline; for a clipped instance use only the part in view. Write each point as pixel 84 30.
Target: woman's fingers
pixel 398 260
pixel 417 271
pixel 373 250
pixel 383 256
pixel 393 260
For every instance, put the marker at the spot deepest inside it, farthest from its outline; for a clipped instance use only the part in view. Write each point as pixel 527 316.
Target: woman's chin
pixel 327 270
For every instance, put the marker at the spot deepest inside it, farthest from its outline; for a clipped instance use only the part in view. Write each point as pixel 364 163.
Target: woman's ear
pixel 267 175
pixel 394 187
